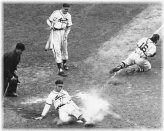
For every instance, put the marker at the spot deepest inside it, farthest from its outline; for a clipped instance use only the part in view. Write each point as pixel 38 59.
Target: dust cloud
pixel 94 106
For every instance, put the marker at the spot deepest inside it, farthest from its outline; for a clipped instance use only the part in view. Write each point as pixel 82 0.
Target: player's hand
pixel 65 38
pixel 49 28
pixel 39 118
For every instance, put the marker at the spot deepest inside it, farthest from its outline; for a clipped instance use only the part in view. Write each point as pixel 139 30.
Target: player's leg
pixel 69 113
pixel 65 54
pixel 56 48
pixel 86 123
pixel 5 85
pixel 124 64
pixel 117 68
pixel 143 65
pixel 74 110
pixel 57 55
pixel 48 44
pixel 65 117
pixel 11 91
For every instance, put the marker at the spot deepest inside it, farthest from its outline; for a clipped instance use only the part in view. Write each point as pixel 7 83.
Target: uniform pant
pixel 58 45
pixel 9 86
pixel 68 110
pixel 135 58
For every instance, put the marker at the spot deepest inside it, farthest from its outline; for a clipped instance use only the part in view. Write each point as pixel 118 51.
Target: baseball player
pixel 60 23
pixel 146 47
pixel 68 111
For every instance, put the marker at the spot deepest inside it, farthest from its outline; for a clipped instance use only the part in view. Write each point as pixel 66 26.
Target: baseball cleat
pixel 65 67
pixel 111 71
pixel 62 74
pixel 114 70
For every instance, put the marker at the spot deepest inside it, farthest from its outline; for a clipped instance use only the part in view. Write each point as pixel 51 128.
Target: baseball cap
pixel 59 82
pixel 66 5
pixel 156 36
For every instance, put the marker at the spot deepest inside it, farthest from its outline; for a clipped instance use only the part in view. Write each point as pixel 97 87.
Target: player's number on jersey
pixel 144 48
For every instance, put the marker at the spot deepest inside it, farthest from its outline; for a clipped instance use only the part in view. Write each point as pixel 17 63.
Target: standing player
pixel 68 111
pixel 60 23
pixel 146 47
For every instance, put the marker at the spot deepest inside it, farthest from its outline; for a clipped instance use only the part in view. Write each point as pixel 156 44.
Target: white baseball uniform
pixel 145 48
pixel 59 22
pixel 63 103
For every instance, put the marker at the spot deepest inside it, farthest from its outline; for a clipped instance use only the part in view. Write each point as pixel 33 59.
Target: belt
pixel 58 29
pixel 142 56
pixel 63 105
pixel 60 106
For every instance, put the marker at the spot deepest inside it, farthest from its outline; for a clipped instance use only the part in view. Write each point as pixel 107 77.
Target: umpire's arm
pixel 6 63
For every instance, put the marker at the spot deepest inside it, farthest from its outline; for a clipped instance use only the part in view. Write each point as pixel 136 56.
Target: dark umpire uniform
pixel 10 62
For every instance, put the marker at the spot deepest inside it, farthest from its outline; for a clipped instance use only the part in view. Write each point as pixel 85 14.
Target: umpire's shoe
pixel 61 73
pixel 12 94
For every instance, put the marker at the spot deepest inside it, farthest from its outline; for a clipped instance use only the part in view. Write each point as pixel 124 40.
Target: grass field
pixel 102 35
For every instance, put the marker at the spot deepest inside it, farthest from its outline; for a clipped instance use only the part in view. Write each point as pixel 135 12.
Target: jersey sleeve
pixel 69 20
pixel 152 51
pixel 53 17
pixel 49 99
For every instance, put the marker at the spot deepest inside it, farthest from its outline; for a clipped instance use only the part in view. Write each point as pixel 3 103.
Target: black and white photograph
pixel 85 65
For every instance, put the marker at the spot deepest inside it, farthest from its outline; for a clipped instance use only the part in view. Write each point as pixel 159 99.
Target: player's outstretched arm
pixel 44 112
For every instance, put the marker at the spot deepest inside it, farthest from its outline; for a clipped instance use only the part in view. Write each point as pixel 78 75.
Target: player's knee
pixel 66 119
pixel 148 67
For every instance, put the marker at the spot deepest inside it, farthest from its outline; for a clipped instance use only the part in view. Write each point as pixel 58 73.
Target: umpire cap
pixel 20 46
pixel 59 82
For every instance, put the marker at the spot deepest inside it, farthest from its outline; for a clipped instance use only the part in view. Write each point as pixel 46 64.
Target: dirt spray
pixel 94 106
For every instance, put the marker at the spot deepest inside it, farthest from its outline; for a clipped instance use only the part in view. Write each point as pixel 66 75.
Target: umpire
pixel 10 62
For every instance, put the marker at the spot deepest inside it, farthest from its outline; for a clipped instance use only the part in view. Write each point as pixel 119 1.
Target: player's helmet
pixel 155 38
